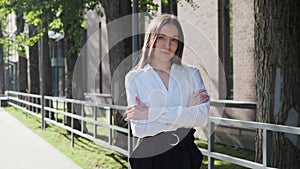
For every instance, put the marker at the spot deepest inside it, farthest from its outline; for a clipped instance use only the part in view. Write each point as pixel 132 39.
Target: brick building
pixel 243 50
pixel 229 26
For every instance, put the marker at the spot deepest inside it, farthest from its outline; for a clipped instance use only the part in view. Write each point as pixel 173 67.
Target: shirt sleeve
pixel 183 116
pixel 141 128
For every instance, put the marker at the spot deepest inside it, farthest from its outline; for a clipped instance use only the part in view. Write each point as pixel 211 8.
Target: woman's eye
pixel 174 40
pixel 161 37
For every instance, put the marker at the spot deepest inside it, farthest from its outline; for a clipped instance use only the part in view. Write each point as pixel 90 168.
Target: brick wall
pixel 243 51
pixel 200 26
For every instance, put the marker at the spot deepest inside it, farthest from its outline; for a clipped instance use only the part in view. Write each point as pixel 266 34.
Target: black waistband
pixel 181 133
pixel 162 142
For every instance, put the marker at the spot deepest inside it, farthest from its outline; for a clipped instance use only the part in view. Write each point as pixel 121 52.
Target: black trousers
pixel 162 152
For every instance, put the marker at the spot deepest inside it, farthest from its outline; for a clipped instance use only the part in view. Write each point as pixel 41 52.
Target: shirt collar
pixel 148 67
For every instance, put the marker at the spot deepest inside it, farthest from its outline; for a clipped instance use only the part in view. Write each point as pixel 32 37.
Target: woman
pixel 165 101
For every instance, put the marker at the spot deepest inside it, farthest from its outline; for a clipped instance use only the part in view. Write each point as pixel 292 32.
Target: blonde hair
pixel 151 36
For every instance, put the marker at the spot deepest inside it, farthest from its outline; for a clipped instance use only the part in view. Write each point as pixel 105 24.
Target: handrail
pixel 226 103
pixel 257 125
pixel 233 104
pixel 102 95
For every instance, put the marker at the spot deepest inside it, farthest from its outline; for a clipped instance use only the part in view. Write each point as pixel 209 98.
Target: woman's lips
pixel 165 52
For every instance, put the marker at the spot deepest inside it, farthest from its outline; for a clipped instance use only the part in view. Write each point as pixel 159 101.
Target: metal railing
pixel 89 114
pixel 23 101
pixel 265 127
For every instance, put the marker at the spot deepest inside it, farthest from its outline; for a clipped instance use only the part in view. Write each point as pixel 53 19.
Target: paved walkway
pixel 21 148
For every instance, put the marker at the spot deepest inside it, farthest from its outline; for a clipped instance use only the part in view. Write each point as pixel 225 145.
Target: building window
pixel 169 7
pixel 225 43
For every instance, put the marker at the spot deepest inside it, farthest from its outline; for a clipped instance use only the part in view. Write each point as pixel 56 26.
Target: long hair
pixel 152 34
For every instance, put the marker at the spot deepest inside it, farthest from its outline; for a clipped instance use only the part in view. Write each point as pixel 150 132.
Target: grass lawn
pixel 89 155
pixel 85 153
pixel 236 152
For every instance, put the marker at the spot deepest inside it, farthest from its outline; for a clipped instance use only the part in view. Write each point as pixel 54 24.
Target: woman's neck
pixel 163 66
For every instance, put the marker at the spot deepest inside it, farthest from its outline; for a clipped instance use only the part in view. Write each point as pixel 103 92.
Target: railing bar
pixel 25 102
pixel 27 111
pixel 75 116
pixel 271 127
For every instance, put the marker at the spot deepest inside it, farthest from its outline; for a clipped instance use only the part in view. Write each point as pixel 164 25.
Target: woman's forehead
pixel 169 30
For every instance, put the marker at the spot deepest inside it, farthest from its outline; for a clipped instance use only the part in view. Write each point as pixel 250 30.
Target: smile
pixel 166 52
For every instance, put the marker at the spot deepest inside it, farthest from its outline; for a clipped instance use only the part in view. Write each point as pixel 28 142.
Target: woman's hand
pixel 137 111
pixel 198 97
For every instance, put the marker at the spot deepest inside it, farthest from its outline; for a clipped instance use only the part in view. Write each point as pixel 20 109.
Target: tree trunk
pixel 22 67
pixel 70 63
pixel 22 74
pixel 71 52
pixel 34 76
pixel 277 63
pixel 117 53
pixel 2 87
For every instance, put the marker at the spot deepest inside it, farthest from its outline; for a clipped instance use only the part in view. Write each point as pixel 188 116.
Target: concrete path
pixel 21 148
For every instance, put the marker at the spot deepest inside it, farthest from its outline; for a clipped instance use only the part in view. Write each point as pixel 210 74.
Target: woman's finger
pixel 204 99
pixel 200 91
pixel 137 100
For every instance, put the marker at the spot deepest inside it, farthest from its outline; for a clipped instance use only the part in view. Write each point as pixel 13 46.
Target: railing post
pixel 95 119
pixel 63 117
pixel 128 143
pixel 211 141
pixel 110 130
pixel 56 109
pixel 43 111
pixel 82 121
pixel 72 124
pixel 266 148
pixel 50 105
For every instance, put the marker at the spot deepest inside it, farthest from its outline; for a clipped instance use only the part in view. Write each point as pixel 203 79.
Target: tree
pixel 22 64
pixel 1 65
pixel 73 17
pixel 34 75
pixel 277 63
pixel 39 15
pixel 113 10
pixel 3 43
pixel 33 64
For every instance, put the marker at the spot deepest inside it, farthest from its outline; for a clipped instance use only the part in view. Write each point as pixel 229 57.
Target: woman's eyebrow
pixel 175 36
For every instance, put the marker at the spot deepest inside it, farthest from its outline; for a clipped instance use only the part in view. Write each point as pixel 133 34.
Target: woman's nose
pixel 167 43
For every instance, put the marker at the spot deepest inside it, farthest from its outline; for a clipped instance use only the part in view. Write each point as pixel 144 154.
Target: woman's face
pixel 166 43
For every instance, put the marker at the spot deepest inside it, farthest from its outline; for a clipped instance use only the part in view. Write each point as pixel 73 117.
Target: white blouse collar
pixel 148 67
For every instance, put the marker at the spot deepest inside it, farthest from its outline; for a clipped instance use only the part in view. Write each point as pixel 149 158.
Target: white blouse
pixel 167 108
